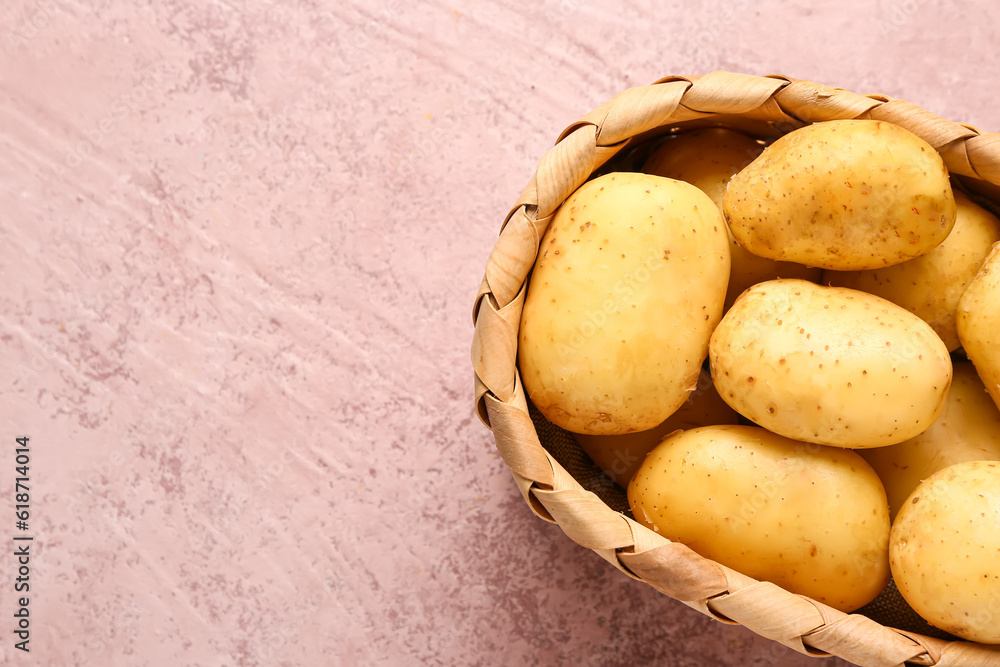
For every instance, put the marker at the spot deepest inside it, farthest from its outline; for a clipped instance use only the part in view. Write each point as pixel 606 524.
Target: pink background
pixel 239 244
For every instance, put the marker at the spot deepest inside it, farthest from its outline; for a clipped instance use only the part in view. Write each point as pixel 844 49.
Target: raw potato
pixel 846 195
pixel 619 456
pixel 627 287
pixel 944 551
pixel 707 159
pixel 931 285
pixel 812 519
pixel 967 430
pixel 829 365
pixel 979 323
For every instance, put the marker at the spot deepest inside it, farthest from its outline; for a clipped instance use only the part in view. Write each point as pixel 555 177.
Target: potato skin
pixel 979 323
pixel 931 285
pixel 627 287
pixel 811 519
pixel 967 430
pixel 829 365
pixel 944 550
pixel 708 158
pixel 846 195
pixel 619 456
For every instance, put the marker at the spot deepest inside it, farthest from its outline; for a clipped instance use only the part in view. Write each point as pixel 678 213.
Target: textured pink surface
pixel 240 243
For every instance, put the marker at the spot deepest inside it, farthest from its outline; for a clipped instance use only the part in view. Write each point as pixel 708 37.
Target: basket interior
pixel 889 608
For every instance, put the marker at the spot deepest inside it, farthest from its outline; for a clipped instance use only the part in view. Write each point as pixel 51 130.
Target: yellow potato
pixel 829 365
pixel 707 159
pixel 944 551
pixel 846 195
pixel 979 323
pixel 931 285
pixel 619 456
pixel 967 430
pixel 627 287
pixel 812 519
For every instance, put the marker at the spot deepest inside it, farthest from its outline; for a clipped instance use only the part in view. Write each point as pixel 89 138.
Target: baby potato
pixel 708 158
pixel 967 430
pixel 931 285
pixel 846 195
pixel 829 365
pixel 812 519
pixel 627 287
pixel 619 456
pixel 944 550
pixel 979 323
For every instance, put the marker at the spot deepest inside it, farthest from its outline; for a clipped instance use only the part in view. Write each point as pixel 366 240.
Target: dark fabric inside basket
pixel 889 608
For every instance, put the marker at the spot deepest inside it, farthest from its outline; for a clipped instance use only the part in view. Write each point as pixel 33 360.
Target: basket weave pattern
pixel 773 104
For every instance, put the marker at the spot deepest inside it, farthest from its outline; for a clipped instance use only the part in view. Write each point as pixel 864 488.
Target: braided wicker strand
pixel 773 105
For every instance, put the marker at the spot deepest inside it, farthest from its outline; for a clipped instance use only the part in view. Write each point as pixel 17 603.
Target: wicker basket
pixel 559 482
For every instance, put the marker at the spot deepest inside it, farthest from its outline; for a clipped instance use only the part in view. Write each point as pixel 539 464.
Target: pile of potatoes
pixel 846 298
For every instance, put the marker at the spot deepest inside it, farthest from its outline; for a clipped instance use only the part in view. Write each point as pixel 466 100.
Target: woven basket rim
pixel 774 101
